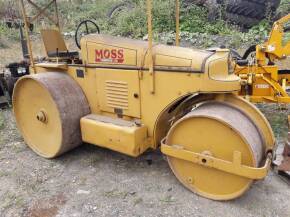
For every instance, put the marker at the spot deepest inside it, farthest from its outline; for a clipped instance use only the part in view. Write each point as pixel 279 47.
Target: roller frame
pixel 235 167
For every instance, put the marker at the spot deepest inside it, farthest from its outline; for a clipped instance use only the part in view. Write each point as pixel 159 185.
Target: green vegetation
pixel 279 123
pixel 7 34
pixel 133 24
pixel 284 7
pixel 277 117
pixel 194 22
pixel 195 19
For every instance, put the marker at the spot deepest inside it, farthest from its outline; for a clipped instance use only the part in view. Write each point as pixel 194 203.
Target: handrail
pixel 41 11
pixel 150 39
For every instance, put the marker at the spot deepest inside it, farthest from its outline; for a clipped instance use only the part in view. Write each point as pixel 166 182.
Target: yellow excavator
pixel 131 96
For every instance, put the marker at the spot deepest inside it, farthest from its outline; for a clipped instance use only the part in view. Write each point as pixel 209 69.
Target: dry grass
pixel 12 51
pixel 1 120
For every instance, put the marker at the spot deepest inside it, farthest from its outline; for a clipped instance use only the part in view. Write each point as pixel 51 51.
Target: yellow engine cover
pixel 107 50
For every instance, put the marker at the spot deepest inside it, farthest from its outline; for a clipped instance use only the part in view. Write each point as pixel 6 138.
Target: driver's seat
pixel 55 46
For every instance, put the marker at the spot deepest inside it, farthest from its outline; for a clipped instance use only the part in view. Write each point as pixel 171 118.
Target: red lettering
pixel 99 54
pixel 114 54
pixel 107 54
pixel 120 54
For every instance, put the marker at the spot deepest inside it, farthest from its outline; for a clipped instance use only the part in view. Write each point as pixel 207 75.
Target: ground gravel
pixel 91 181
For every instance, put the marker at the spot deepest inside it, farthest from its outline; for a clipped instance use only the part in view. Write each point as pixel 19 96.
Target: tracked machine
pixel 131 96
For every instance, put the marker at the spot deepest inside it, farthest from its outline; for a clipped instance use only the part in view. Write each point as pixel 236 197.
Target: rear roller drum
pixel 216 129
pixel 48 108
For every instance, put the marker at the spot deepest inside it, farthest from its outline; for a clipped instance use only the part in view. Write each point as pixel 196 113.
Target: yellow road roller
pixel 131 96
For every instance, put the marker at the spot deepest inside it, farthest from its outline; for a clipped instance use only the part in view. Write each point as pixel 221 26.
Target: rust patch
pixel 286 152
pixel 285 165
pixel 46 207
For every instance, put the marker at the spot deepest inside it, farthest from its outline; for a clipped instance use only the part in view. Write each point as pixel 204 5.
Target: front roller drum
pixel 213 150
pixel 48 108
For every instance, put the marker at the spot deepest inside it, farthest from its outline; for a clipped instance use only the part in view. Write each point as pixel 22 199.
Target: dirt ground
pixel 90 181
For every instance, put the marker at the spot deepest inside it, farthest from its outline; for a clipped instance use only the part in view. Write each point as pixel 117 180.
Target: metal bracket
pixel 235 167
pixel 42 11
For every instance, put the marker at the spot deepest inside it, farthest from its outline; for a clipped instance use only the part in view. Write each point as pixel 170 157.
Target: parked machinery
pixel 262 81
pixel 12 72
pixel 130 96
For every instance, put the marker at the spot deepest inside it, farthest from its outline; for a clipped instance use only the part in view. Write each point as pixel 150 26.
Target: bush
pixel 132 22
pixel 72 14
pixel 9 33
pixel 284 8
pixel 192 19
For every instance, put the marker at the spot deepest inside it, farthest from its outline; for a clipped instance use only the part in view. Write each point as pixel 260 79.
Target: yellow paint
pixel 125 138
pixel 122 91
pixel 234 167
pixel 53 41
pixel 137 90
pixel 47 135
pixel 267 84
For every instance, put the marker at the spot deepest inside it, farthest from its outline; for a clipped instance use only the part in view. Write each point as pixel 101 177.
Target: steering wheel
pixel 84 28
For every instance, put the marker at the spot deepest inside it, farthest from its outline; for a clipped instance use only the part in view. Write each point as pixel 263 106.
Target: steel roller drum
pixel 48 108
pixel 216 129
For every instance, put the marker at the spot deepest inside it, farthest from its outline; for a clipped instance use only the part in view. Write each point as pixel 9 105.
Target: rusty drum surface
pixel 48 108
